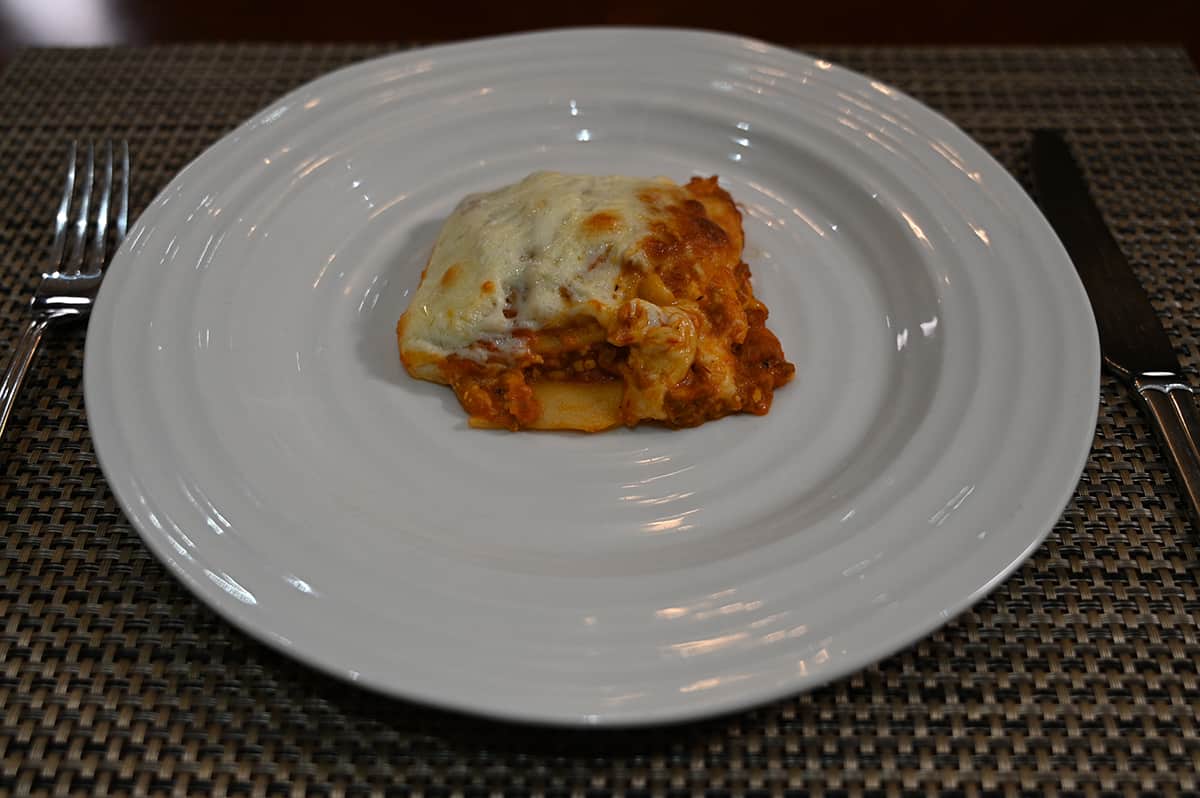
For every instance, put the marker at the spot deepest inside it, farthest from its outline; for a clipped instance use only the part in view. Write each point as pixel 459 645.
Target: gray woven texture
pixel 1078 676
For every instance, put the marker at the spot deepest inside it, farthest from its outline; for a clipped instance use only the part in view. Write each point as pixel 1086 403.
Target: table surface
pixel 1077 676
pixel 1032 22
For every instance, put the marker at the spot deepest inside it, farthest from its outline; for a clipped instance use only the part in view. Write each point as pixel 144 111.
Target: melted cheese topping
pixel 527 256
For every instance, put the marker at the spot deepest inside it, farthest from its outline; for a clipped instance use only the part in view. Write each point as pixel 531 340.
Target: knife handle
pixel 1172 406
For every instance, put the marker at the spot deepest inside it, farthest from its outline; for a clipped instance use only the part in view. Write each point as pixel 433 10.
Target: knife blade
pixel 1133 342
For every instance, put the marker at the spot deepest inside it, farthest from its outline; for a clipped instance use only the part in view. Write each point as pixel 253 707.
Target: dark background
pixel 26 22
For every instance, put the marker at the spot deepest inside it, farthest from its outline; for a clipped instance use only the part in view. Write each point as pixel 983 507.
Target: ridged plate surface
pixel 251 414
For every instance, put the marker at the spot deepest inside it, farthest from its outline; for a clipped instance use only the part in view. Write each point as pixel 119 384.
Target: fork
pixel 69 291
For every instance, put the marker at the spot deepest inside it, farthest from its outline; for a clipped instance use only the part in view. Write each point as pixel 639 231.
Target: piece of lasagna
pixel 577 302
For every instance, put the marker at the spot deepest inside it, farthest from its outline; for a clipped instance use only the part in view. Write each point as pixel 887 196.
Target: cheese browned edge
pixel 585 302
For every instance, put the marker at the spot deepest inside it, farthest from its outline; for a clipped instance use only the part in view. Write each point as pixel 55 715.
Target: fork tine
pixel 79 233
pixel 96 260
pixel 58 247
pixel 123 197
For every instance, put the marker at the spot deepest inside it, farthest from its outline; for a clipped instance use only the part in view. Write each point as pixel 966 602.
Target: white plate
pixel 251 415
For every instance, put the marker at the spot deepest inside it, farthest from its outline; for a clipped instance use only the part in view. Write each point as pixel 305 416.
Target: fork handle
pixel 14 373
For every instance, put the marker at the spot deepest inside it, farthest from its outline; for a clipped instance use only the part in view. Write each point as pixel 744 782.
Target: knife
pixel 1132 340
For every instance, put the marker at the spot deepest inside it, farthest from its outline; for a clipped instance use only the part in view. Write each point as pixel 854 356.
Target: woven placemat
pixel 1078 676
